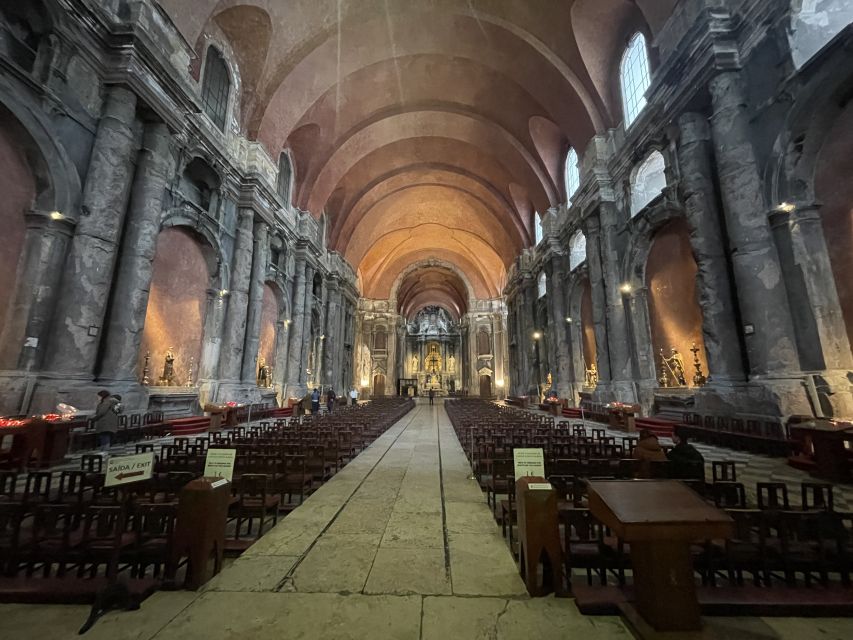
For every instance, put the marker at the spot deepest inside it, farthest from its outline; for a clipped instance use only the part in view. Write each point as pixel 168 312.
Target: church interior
pixel 422 319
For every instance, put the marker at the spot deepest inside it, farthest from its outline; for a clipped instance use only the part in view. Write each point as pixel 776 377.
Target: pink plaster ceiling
pixel 425 130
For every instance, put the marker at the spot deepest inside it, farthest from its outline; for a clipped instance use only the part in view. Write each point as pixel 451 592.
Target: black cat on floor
pixel 113 597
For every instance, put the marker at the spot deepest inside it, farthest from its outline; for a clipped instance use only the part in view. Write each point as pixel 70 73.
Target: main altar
pixel 433 343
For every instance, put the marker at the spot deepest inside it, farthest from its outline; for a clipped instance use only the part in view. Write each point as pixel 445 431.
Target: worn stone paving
pixel 399 544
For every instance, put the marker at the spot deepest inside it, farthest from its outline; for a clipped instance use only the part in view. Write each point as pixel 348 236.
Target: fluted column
pixel 308 309
pixel 88 277
pixel 333 349
pixel 24 337
pixel 716 297
pixel 233 340
pixel 555 274
pixel 260 261
pixel 297 326
pixel 136 267
pixel 769 338
pixel 808 275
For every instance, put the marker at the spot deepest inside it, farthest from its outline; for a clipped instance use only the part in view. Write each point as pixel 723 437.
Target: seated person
pixel 685 461
pixel 647 451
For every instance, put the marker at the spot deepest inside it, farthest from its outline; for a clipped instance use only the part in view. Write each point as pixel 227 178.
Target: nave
pixel 398 544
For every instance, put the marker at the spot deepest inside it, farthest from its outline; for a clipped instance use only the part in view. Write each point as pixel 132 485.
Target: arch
pixel 675 317
pixel 577 250
pixel 571 174
pixel 634 78
pixel 648 180
pixel 427 264
pixel 177 305
pixel 216 87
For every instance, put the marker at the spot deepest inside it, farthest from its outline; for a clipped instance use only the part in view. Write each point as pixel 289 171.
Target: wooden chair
pixel 254 501
pixel 816 496
pixel 772 496
pixel 729 495
pixel 723 471
pixel 582 542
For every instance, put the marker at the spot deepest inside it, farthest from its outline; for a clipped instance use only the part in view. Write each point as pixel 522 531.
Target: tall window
pixel 634 77
pixel 649 180
pixel 573 174
pixel 215 87
pixel 285 177
pixel 543 285
pixel 539 234
pixel 577 250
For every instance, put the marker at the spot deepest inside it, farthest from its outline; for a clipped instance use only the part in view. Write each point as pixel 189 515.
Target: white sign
pixel 220 463
pixel 127 469
pixel 529 462
pixel 539 486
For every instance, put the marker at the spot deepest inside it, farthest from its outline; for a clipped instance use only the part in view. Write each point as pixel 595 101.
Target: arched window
pixel 573 174
pixel 543 284
pixel 285 177
pixel 539 234
pixel 577 250
pixel 634 78
pixel 215 88
pixel 648 182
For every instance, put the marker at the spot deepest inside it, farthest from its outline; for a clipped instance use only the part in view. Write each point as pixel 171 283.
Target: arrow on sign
pixel 132 474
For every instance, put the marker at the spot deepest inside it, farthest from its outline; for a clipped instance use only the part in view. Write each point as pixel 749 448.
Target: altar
pixel 432 344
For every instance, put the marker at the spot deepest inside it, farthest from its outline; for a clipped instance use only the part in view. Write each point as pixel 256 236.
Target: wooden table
pixel 660 518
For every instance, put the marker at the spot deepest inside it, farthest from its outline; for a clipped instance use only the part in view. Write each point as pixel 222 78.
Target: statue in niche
pixel 263 373
pixel 415 362
pixel 168 377
pixel 677 364
pixel 451 363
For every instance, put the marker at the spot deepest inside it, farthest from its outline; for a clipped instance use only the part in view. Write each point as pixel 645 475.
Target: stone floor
pixel 400 544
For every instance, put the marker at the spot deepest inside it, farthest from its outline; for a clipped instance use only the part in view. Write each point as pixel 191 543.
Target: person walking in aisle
pixel 330 400
pixel 353 396
pixel 315 401
pixel 432 397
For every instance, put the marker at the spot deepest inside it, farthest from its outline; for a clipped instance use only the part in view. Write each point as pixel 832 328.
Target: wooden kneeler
pixel 200 528
pixel 539 538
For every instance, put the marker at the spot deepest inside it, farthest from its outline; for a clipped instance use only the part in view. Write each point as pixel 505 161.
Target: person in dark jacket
pixel 647 451
pixel 106 419
pixel 330 400
pixel 685 461
pixel 315 401
pixel 431 396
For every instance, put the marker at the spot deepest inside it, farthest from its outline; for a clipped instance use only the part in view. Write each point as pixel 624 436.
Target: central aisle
pixel 399 544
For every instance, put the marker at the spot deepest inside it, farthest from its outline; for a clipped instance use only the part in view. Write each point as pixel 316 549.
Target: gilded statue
pixel 592 376
pixel 168 377
pixel 672 369
pixel 263 373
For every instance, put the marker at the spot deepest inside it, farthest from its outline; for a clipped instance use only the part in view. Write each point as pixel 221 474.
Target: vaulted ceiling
pixel 427 131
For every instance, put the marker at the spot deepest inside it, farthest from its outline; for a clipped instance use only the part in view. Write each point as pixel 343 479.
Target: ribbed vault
pixel 424 130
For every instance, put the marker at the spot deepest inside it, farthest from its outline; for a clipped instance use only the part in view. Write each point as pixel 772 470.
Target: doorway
pixel 485 386
pixel 379 385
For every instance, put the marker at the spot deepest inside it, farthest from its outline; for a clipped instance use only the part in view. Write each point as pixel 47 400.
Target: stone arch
pixel 423 264
pixel 211 247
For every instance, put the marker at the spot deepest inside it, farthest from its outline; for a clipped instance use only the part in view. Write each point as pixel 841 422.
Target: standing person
pixel 432 396
pixel 353 396
pixel 106 419
pixel 330 400
pixel 315 401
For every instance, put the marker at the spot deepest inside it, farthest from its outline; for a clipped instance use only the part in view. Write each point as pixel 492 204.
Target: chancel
pixel 290 289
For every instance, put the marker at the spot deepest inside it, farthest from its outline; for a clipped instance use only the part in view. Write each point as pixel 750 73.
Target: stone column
pixel 22 344
pixel 214 320
pixel 233 339
pixel 555 274
pixel 86 283
pixel 260 261
pixel 618 335
pixel 307 336
pixel 297 327
pixel 808 275
pixel 723 346
pixel 768 334
pixel 333 349
pixel 133 278
pixel 592 230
